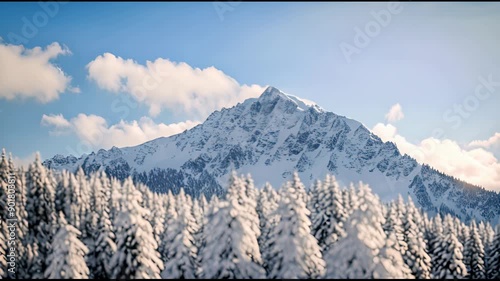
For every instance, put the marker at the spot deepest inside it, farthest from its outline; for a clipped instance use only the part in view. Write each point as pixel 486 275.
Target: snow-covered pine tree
pixel 313 205
pixel 353 199
pixel 62 187
pixel 301 189
pixel 41 217
pixel 494 260
pixel 114 202
pixel 100 244
pixel 295 252
pixel 434 237
pixel 136 255
pixel 416 256
pixel 328 223
pixel 158 218
pixel 447 259
pixel 237 191
pixel 392 264
pixel 358 254
pixel 266 208
pixel 169 220
pixel 198 215
pixel 234 258
pixel 87 224
pixel 92 220
pixel 181 258
pixel 105 246
pixel 490 235
pixel 250 190
pixel 474 254
pixel 67 255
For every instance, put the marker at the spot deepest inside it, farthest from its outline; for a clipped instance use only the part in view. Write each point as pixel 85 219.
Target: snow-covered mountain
pixel 271 137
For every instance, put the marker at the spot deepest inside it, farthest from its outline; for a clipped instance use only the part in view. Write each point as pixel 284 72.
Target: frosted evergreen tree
pixel 181 251
pixel 136 256
pixel 434 237
pixel 474 254
pixel 294 252
pixel 158 216
pixel 494 260
pixel 198 215
pixel 102 246
pixel 447 259
pixel 72 203
pixel 416 256
pixel 251 192
pixel 363 252
pixel 266 208
pixel 41 216
pixel 169 220
pixel 67 256
pixel 87 224
pixel 328 223
pixel 301 189
pixel 237 192
pixel 235 257
pixel 394 224
pixel 488 247
pixel 313 204
pixel 97 202
pixel 114 202
pixel 353 199
pixel 62 187
pixel 392 264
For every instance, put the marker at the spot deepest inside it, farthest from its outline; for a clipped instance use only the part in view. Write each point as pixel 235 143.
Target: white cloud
pixel 493 141
pixel 476 166
pixel 93 130
pixel 395 113
pixel 29 73
pixel 165 84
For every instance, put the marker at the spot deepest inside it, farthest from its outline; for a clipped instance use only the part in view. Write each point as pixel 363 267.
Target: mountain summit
pixel 274 135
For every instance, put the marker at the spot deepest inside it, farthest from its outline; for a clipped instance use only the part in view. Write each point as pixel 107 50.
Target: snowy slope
pixel 274 135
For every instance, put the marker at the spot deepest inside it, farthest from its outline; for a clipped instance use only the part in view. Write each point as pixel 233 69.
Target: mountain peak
pixel 272 93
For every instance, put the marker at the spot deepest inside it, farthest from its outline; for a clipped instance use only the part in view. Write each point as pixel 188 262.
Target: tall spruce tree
pixel 67 255
pixel 295 252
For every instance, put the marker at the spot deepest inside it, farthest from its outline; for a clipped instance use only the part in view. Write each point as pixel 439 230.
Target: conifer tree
pixel 295 252
pixel 474 254
pixel 67 255
pixel 136 255
pixel 41 217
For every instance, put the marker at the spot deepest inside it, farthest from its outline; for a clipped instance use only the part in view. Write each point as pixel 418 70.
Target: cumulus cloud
pixel 477 166
pixel 395 113
pixel 30 73
pixel 94 131
pixel 493 141
pixel 163 84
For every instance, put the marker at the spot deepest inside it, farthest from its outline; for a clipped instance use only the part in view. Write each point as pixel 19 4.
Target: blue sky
pixel 427 58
